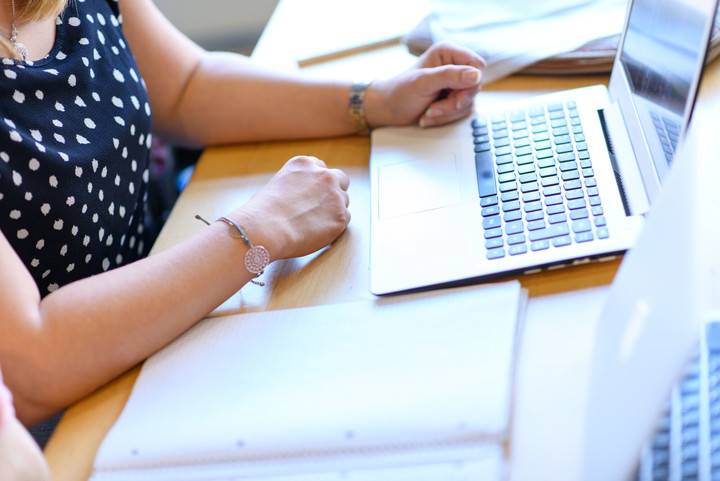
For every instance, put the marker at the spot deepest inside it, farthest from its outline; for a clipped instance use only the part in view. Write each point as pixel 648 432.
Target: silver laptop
pixel 548 181
pixel 653 409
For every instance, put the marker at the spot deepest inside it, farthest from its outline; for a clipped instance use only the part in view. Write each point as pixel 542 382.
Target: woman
pixel 20 457
pixel 79 103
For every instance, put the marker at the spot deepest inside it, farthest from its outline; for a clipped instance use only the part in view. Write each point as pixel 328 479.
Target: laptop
pixel 545 182
pixel 653 410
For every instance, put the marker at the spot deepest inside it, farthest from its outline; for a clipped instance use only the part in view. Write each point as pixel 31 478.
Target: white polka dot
pixel 59 107
pixel 15 136
pixel 88 258
pixel 120 121
pixel 64 156
pixel 18 97
pixel 51 71
pixel 34 164
pixel 117 102
pixel 96 97
pixel 61 56
pixel 106 264
pixel 59 138
pixel 72 80
pixel 84 41
pixel 109 240
pixel 22 234
pixel 39 94
pixel 17 178
pixel 95 165
pixel 15 214
pixel 89 123
pixel 63 250
pixel 70 200
pixel 5 157
pixel 11 74
pixel 28 196
pixel 40 244
pixel 86 240
pixel 36 134
pixel 35 262
pixel 70 267
pixel 45 209
pixel 52 287
pixel 101 233
pixel 101 37
pixel 80 102
pixel 58 224
pixel 95 218
pixel 81 140
pixel 57 123
pixel 53 181
pixel 118 75
pixel 74 22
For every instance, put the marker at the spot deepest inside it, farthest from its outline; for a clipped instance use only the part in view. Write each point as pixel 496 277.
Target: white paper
pixel 390 384
pixel 510 46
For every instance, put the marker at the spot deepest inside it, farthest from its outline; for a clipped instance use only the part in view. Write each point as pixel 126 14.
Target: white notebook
pixel 412 387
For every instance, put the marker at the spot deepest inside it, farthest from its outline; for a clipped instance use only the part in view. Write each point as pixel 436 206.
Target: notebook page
pixel 402 381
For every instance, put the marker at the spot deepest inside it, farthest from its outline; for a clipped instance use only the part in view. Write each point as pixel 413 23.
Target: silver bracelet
pixel 356 108
pixel 257 258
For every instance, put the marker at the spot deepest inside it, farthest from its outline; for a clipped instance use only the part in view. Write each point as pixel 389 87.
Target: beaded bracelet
pixel 256 258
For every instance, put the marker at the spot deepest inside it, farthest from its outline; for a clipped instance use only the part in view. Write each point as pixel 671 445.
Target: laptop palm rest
pixel 418 186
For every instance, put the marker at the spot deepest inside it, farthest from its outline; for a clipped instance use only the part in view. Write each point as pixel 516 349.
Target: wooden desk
pixel 553 349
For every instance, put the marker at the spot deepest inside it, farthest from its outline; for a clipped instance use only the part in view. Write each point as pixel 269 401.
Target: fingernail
pixel 425 122
pixel 433 112
pixel 471 76
pixel 460 102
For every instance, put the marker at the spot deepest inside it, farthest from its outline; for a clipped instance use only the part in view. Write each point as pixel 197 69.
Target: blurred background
pixel 232 25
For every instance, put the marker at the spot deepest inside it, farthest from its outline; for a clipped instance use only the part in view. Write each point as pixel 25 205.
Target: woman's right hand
pixel 302 209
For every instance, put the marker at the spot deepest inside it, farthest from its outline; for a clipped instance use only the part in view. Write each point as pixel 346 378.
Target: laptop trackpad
pixel 418 186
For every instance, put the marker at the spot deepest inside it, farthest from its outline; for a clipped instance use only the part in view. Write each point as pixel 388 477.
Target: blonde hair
pixel 28 11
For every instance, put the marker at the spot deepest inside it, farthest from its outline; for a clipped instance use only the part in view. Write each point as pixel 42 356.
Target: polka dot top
pixel 74 150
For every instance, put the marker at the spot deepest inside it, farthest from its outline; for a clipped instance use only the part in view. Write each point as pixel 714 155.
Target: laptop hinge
pixel 627 176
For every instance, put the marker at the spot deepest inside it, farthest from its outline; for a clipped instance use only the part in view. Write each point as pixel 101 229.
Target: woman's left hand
pixel 440 88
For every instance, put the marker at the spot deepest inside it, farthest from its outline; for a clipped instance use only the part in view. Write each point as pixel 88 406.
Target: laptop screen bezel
pixel 621 92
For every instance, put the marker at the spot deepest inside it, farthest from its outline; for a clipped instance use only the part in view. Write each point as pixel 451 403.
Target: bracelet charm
pixel 257 258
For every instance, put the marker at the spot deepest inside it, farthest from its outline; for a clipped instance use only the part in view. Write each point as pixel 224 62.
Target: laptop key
pixel 549 232
pixel 491 222
pixel 517 249
pixel 488 201
pixel 516 239
pixel 584 237
pixel 562 241
pixel 496 253
pixel 494 243
pixel 540 245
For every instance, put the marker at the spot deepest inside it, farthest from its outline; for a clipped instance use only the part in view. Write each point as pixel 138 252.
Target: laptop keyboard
pixel 686 445
pixel 536 181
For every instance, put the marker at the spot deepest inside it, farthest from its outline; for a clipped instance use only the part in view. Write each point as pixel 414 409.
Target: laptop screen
pixel 662 55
